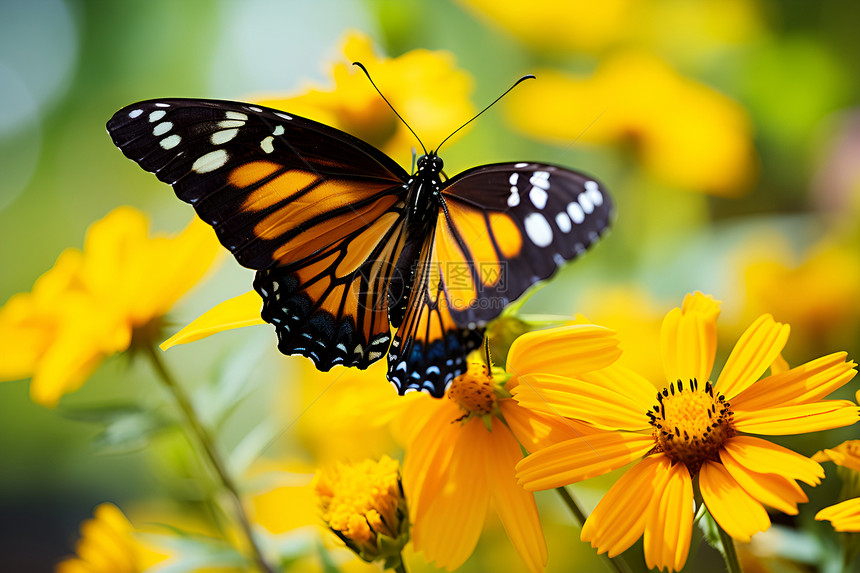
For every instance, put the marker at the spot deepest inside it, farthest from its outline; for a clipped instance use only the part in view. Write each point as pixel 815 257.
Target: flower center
pixel 691 425
pixel 473 390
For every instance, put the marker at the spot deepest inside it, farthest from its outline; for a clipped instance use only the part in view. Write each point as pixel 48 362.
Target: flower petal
pixel 806 383
pixel 447 529
pixel 798 419
pixel 575 460
pixel 844 516
pixel 771 489
pixel 669 518
pixel 754 352
pixel 765 457
pixel 735 510
pixel 239 311
pixel 688 339
pixel 536 431
pixel 515 506
pixel 619 519
pixel 566 350
pixel 603 407
pixel 846 454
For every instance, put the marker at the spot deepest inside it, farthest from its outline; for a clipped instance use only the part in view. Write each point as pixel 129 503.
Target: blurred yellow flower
pixel 818 293
pixel 99 301
pixel 683 132
pixel 844 516
pixel 363 504
pixel 461 452
pixel 424 86
pixel 107 545
pixel 694 429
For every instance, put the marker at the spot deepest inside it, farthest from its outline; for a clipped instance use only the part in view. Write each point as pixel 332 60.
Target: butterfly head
pixel 430 164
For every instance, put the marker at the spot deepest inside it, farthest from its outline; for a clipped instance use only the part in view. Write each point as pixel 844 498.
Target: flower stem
pixel 729 553
pixel 613 563
pixel 400 568
pixel 212 456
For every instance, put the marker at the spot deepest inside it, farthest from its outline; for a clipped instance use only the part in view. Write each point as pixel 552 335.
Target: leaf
pixel 251 446
pixel 125 427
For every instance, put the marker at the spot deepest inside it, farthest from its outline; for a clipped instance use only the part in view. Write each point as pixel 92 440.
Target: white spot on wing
pixel 236 115
pixel 170 141
pixel 594 193
pixel 210 162
pixel 514 197
pixel 575 211
pixel 279 130
pixel 563 222
pixel 538 197
pixel 162 128
pixel 162 105
pixel 156 115
pixel 585 201
pixel 283 115
pixel 540 179
pixel 514 178
pixel 538 229
pixel 266 144
pixel 135 113
pixel 519 165
pixel 230 123
pixel 222 137
pixel 255 108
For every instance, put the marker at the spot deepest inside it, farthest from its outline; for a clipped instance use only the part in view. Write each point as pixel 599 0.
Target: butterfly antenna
pixel 522 79
pixel 363 69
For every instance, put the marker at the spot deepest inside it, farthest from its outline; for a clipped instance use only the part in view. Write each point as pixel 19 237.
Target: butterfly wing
pixel 429 348
pixel 509 225
pixel 317 212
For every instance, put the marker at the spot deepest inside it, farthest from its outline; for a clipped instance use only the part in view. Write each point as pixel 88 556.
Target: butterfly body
pixel 346 244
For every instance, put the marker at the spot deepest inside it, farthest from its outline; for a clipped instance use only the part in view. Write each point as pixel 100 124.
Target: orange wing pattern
pixel 317 212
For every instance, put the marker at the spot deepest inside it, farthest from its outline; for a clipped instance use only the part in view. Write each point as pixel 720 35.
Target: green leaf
pixel 124 427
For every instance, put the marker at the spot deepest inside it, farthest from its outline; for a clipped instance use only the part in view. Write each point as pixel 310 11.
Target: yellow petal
pixel 770 489
pixel 765 457
pixel 448 530
pixel 536 431
pixel 575 460
pixel 798 419
pixel 844 516
pixel 754 352
pixel 619 519
pixel 603 407
pixel 846 454
pixel 515 506
pixel 736 511
pixel 669 518
pixel 688 339
pixel 566 350
pixel 239 311
pixel 806 383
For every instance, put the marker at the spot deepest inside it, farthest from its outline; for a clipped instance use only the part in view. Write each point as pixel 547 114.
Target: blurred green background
pixel 772 228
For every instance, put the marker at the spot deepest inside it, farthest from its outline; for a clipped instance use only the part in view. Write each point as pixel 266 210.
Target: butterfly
pixel 347 244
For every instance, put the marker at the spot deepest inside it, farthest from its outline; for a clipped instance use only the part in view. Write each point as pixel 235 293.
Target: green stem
pixel 613 563
pixel 729 553
pixel 213 457
pixel 400 568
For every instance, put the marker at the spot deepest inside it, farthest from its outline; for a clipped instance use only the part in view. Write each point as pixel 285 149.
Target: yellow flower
pixel 693 429
pixel 99 301
pixel 363 504
pixel 844 516
pixel 424 86
pixel 107 545
pixel 683 132
pixel 461 452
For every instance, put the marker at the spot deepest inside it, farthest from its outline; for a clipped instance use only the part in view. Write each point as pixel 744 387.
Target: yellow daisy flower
pixel 692 429
pixel 683 132
pixel 99 301
pixel 461 452
pixel 424 86
pixel 107 545
pixel 844 516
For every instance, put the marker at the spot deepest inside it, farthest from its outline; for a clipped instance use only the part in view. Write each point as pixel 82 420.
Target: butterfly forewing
pixel 507 226
pixel 317 212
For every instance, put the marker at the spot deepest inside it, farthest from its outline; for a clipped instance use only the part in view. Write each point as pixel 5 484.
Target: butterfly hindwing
pixel 316 211
pixel 507 226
